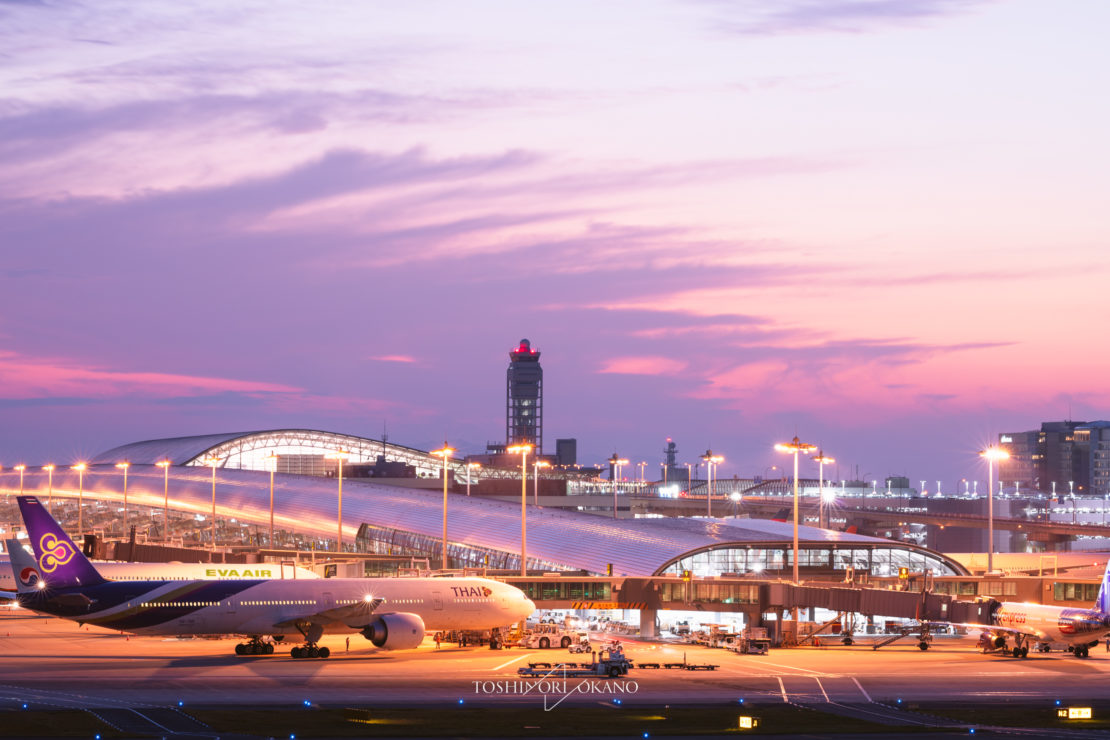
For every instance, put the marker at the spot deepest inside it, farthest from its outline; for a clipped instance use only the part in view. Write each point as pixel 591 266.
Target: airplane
pixel 120 571
pixel 392 613
pixel 1078 629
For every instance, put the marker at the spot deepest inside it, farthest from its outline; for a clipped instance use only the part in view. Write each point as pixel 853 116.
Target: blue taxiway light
pixel 307 703
pixel 460 701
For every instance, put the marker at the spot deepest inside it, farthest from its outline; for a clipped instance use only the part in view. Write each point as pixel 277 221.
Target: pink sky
pixel 877 224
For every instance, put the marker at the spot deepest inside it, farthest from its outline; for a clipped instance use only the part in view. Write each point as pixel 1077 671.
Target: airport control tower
pixel 524 398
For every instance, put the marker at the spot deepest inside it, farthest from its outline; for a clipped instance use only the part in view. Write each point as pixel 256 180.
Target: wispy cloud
pixel 28 377
pixel 843 16
pixel 404 359
pixel 642 366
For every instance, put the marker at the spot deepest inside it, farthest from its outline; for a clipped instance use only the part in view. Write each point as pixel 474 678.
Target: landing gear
pixel 312 634
pixel 1020 649
pixel 255 647
pixel 310 650
pixel 1044 647
pixel 1081 651
pixel 923 645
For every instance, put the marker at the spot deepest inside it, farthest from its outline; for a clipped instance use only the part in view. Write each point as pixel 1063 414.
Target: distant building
pixel 566 452
pixel 524 398
pixel 1062 457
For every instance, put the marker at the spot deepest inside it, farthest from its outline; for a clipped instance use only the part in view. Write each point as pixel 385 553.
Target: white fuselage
pixel 271 607
pixel 1053 623
pixel 117 571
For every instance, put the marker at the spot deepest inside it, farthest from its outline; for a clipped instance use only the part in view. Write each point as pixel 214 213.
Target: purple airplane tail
pixel 61 563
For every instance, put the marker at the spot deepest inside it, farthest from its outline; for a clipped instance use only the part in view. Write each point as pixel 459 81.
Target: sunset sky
pixel 880 225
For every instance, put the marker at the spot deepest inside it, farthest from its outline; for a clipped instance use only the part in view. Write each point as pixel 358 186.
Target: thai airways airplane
pixel 1078 629
pixel 393 613
pixel 116 571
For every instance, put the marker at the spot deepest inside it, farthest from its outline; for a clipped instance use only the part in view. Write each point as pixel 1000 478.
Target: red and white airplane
pixel 1078 629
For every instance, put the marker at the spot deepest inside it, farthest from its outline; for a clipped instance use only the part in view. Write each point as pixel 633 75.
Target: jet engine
pixel 999 641
pixel 398 631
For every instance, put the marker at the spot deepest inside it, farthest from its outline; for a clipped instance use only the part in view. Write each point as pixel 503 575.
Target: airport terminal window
pixel 967 588
pixel 1075 591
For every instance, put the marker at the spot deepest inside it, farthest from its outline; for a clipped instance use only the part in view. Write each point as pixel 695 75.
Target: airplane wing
pixel 351 615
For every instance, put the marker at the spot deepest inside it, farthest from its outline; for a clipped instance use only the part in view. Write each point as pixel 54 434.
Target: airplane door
pixel 437 601
pixel 326 600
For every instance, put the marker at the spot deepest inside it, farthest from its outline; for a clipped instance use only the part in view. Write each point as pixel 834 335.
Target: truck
pixel 550 635
pixel 752 641
pixel 610 663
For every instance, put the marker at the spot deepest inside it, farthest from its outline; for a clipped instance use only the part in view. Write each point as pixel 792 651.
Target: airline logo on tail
pixel 55 552
pixel 28 576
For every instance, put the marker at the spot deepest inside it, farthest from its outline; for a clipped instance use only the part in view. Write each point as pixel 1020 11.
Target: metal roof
pixel 571 540
pixel 247 450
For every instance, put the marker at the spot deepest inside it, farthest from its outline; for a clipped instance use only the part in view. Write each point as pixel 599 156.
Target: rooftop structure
pixel 301 451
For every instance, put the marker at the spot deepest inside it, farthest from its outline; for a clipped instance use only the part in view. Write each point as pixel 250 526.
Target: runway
pixel 54 663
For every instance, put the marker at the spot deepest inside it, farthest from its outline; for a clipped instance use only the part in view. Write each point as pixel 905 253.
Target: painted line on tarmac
pixel 782 688
pixel 818 680
pixel 794 668
pixel 509 663
pixel 862 690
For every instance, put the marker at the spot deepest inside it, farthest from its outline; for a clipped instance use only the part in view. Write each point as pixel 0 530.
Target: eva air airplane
pixel 393 613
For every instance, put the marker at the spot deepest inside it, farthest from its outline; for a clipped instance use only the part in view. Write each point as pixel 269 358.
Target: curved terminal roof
pixel 251 450
pixel 556 538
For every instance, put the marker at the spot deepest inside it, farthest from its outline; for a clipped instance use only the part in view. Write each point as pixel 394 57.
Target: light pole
pixel 165 466
pixel 991 454
pixel 642 465
pixel 80 468
pixel 821 458
pixel 50 487
pixel 710 461
pixel 212 462
pixel 21 468
pixel 523 449
pixel 273 458
pixel 124 466
pixel 735 496
pixel 470 467
pixel 536 479
pixel 340 456
pixel 794 447
pixel 445 452
pixel 688 481
pixel 616 461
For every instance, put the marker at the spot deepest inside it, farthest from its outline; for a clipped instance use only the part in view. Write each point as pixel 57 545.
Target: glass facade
pixel 389 541
pixel 877 560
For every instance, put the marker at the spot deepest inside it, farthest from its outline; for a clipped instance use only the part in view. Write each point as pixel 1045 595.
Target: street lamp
pixel 80 468
pixel 273 458
pixel 50 487
pixel 735 496
pixel 689 467
pixel 469 467
pixel 445 452
pixel 536 479
pixel 20 468
pixel 642 465
pixel 165 466
pixel 212 462
pixel 124 466
pixel 821 458
pixel 340 456
pixel 991 454
pixel 523 449
pixel 710 461
pixel 617 463
pixel 794 447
